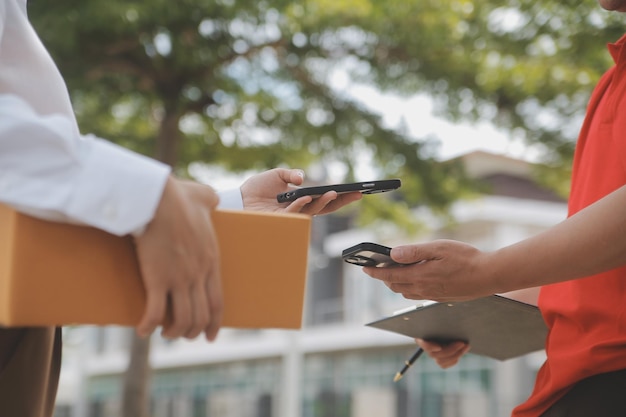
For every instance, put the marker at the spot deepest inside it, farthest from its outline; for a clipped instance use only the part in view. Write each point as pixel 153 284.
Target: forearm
pixel 525 295
pixel 590 242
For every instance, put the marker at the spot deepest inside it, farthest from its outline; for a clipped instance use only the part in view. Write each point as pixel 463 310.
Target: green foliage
pixel 527 65
pixel 248 84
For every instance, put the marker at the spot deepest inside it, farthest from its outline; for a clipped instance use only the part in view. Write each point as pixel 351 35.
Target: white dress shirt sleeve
pixel 231 199
pixel 49 170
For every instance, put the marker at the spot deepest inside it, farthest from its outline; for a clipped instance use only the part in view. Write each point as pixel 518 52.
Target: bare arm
pixel 592 241
pixel 525 295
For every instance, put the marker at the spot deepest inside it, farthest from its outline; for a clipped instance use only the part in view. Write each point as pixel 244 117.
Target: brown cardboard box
pixel 60 274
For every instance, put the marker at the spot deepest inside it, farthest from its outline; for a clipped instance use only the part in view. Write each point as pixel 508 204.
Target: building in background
pixel 335 366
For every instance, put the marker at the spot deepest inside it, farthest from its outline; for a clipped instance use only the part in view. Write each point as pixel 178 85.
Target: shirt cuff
pixel 231 199
pixel 119 190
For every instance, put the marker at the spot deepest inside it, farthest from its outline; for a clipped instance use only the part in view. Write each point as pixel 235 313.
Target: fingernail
pixel 300 173
pixel 398 252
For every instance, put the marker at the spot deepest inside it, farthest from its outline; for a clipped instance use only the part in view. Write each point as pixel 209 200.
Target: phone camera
pixel 359 260
pixel 353 260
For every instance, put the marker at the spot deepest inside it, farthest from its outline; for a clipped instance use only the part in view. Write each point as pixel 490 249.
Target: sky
pixel 456 139
pixel 416 113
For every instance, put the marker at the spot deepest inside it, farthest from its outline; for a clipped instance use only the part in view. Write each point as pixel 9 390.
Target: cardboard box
pixel 60 274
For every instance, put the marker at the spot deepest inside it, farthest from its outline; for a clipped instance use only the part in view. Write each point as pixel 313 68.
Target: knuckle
pixel 180 326
pixel 202 318
pixel 215 308
pixel 394 287
pixel 153 319
pixel 194 331
pixel 211 197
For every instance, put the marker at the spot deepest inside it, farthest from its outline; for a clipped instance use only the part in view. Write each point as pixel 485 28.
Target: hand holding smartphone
pixel 367 187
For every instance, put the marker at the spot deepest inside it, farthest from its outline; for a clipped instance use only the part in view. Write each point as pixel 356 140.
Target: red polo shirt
pixel 587 317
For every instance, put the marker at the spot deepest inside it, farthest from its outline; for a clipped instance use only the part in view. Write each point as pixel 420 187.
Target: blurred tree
pixel 249 84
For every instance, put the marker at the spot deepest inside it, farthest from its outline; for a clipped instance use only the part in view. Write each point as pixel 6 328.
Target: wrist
pixel 504 273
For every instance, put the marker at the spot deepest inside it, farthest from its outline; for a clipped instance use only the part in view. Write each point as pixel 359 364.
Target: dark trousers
pixel 602 395
pixel 30 363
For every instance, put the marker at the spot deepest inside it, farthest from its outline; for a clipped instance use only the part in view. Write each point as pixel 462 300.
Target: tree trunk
pixel 136 389
pixel 135 402
pixel 168 138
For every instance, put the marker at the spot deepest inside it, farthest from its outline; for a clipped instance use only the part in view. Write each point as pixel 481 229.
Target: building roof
pixel 506 176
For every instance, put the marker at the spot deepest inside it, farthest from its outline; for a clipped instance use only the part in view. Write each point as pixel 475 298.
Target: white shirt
pixel 47 167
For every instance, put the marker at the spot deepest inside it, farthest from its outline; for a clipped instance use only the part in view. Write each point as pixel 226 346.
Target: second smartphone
pixel 368 254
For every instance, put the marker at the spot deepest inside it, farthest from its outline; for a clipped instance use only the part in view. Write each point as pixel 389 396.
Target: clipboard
pixel 60 274
pixel 495 326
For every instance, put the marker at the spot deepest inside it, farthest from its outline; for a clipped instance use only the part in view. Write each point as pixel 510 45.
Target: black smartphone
pixel 367 187
pixel 368 254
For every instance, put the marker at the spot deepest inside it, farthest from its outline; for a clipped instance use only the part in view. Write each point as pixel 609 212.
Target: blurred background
pixel 474 104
